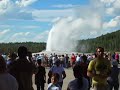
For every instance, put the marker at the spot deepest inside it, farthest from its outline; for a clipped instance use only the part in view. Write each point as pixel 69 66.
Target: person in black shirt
pixel 23 70
pixel 40 76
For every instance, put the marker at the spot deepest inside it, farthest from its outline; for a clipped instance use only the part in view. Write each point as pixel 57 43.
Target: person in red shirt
pixel 73 59
pixel 117 57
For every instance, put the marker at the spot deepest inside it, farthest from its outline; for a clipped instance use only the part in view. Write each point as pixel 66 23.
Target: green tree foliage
pixel 110 41
pixel 13 47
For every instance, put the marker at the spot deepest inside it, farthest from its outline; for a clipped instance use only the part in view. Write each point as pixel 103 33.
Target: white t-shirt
pixel 73 85
pixel 53 87
pixel 78 59
pixel 8 82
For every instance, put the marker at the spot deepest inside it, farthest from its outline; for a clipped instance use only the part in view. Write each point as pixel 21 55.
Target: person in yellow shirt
pixel 99 69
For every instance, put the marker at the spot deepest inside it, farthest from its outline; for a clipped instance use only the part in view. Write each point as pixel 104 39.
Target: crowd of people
pixel 98 71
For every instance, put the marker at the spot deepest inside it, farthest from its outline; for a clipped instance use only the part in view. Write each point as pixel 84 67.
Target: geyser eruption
pixel 59 40
pixel 66 31
pixel 82 22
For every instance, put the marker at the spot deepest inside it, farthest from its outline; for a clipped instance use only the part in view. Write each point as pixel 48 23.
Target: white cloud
pixel 20 37
pixel 27 36
pixel 5 26
pixel 111 7
pixel 31 27
pixel 110 11
pixel 49 15
pixel 5 6
pixel 10 10
pixel 113 23
pixel 24 3
pixel 108 2
pixel 20 34
pixel 27 33
pixel 42 37
pixel 116 4
pixel 65 6
pixel 3 32
pixel 17 34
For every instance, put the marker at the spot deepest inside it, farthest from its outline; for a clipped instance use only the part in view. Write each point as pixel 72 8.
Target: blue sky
pixel 32 20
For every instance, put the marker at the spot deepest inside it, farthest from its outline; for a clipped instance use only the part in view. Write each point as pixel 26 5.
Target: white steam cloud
pixel 95 19
pixel 66 31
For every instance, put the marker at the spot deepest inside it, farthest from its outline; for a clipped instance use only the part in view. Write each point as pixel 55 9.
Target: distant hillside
pixel 110 42
pixel 12 47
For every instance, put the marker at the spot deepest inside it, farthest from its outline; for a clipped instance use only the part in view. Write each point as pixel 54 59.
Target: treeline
pixel 12 47
pixel 110 42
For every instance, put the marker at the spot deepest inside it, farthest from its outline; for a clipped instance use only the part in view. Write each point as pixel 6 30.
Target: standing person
pixel 40 76
pixel 54 82
pixel 67 60
pixel 117 57
pixel 113 56
pixel 79 83
pixel 99 69
pixel 10 62
pixel 7 81
pixel 78 59
pixel 4 55
pixel 113 80
pixel 58 69
pixel 50 60
pixel 73 59
pixel 23 70
pixel 62 60
pixel 84 66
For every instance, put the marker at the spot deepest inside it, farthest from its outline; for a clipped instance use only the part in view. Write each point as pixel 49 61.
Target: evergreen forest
pixel 12 47
pixel 110 42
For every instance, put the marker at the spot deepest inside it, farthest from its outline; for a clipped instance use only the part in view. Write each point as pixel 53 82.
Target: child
pixel 54 82
pixel 40 76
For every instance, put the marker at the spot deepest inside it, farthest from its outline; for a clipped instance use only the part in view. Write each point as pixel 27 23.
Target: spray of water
pixel 60 40
pixel 67 30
